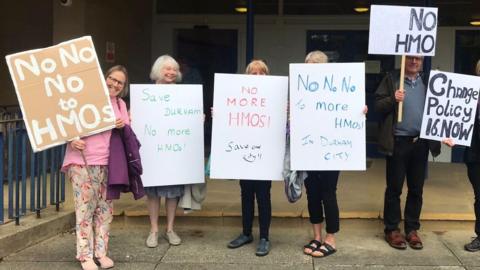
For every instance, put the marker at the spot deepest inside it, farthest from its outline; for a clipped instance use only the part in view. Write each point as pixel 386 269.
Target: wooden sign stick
pixel 83 158
pixel 402 79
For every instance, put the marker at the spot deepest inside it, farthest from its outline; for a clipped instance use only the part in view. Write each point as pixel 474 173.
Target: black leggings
pixel 321 189
pixel 261 190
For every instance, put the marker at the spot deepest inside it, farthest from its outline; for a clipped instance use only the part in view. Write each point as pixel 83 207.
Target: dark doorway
pixel 202 52
pixel 352 46
pixel 467 53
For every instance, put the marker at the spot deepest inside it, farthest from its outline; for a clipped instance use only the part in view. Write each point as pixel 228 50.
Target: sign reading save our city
pixel 61 92
pixel 450 107
pixel 249 122
pixel 402 30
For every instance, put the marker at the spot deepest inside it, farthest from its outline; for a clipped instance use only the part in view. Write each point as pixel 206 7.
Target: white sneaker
pixel 152 240
pixel 172 238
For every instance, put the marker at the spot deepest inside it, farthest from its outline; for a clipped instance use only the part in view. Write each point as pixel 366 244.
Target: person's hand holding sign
pixel 119 123
pixel 78 144
pixel 449 141
pixel 399 95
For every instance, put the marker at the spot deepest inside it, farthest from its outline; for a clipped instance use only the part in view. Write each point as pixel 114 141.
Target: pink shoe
pixel 105 262
pixel 89 264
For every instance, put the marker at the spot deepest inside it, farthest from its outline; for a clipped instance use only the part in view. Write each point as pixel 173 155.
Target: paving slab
pixel 125 246
pixel 222 266
pixel 386 267
pixel 454 240
pixel 73 265
pixel 364 244
pixel 285 248
pixel 60 248
pixel 128 245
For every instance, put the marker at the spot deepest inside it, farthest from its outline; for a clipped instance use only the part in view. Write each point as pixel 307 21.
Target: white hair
pixel 316 57
pixel 155 74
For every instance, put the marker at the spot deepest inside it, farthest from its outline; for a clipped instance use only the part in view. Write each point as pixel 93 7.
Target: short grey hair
pixel 160 63
pixel 316 57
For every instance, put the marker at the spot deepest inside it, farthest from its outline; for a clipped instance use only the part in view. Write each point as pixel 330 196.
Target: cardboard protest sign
pixel 61 92
pixel 249 125
pixel 327 123
pixel 402 30
pixel 168 121
pixel 450 107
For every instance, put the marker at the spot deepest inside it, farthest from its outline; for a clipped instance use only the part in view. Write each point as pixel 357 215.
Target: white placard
pixel 249 125
pixel 168 121
pixel 450 107
pixel 327 123
pixel 402 30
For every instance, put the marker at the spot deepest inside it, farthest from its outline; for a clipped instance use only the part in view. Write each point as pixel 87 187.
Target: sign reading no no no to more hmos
pixel 168 120
pixel 327 124
pixel 62 92
pixel 249 124
pixel 402 30
pixel 450 107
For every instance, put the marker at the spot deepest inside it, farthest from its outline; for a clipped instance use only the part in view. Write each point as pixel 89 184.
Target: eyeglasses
pixel 120 83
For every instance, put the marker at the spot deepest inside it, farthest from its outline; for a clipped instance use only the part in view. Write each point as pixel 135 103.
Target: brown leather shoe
pixel 395 239
pixel 414 240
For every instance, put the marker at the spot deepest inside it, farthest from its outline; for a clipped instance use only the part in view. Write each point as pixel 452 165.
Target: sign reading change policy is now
pixel 450 107
pixel 168 121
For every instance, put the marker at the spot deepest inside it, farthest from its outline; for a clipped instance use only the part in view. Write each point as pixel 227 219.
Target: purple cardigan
pixel 124 164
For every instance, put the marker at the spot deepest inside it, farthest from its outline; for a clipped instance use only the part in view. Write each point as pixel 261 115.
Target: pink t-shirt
pixel 96 146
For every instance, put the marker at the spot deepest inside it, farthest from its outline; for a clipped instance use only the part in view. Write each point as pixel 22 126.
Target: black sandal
pixel 325 249
pixel 313 245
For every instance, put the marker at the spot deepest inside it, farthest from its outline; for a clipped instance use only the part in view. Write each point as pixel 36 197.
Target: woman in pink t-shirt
pixel 85 164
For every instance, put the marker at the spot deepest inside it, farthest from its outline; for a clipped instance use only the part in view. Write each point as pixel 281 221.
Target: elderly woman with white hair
pixel 165 70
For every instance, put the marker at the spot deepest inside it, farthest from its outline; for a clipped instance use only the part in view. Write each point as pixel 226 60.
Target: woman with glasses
pixel 85 164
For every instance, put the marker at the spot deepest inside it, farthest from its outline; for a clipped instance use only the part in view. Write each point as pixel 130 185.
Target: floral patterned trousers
pixel 93 212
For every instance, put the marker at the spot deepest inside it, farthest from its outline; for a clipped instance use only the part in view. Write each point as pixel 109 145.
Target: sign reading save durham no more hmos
pixel 62 92
pixel 402 30
pixel 168 120
pixel 450 107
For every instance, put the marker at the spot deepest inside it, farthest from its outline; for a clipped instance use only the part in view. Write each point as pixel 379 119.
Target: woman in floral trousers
pixel 85 164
